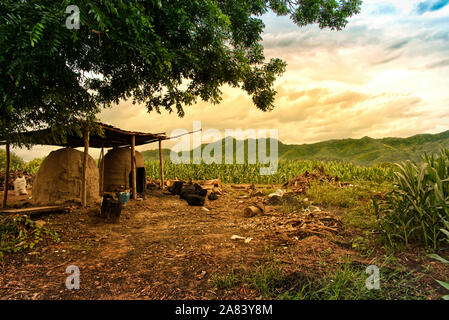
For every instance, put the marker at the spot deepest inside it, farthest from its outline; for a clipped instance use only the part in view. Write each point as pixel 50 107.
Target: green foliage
pixel 346 282
pixel 331 195
pixel 437 257
pixel 354 199
pixel 417 207
pixel 226 281
pixel 19 232
pixel 16 162
pixel 33 165
pixel 250 173
pixel 266 279
pixel 162 53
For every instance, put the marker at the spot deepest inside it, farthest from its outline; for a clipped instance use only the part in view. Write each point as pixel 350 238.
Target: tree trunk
pixel 84 182
pixel 161 164
pixel 133 166
pixel 102 171
pixel 5 192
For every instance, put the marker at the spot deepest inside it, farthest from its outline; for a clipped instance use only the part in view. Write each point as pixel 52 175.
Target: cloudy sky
pixel 386 74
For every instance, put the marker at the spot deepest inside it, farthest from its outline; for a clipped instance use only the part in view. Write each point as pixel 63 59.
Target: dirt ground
pixel 164 249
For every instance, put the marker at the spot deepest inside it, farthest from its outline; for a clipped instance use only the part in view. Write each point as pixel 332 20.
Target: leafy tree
pixel 163 53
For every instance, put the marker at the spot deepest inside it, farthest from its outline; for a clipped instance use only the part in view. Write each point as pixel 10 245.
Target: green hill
pixel 364 151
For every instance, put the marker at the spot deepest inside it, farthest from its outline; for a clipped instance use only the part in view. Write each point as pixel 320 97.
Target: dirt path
pixel 163 249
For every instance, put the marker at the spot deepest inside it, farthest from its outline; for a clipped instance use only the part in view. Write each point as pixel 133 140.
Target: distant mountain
pixel 364 151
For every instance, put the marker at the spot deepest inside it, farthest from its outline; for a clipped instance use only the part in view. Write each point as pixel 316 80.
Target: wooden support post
pixel 86 155
pixel 133 166
pixel 161 164
pixel 5 187
pixel 102 171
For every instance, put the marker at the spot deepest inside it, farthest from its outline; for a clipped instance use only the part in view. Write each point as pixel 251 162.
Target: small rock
pixel 40 223
pixel 274 199
pixel 213 196
pixel 201 275
pixel 279 193
pixel 257 194
pixel 236 237
pixel 205 209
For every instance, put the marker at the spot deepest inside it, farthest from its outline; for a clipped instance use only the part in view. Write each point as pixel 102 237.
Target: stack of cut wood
pixel 213 188
pixel 13 175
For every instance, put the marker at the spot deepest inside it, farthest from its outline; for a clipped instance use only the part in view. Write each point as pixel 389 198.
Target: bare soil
pixel 164 249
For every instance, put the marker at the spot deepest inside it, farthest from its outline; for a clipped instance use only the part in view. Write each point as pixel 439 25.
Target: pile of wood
pixel 36 210
pixel 13 175
pixel 213 188
pixel 312 223
pixel 297 225
pixel 303 181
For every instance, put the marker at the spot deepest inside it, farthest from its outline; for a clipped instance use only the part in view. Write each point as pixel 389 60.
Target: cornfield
pixel 418 207
pixel 249 173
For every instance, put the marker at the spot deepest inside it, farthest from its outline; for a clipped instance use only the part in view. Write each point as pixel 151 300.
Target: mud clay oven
pixel 59 178
pixel 117 170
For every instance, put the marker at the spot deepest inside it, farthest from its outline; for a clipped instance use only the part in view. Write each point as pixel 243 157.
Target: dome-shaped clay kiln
pixel 59 178
pixel 117 169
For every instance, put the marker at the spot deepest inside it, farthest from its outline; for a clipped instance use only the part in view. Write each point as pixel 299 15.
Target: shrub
pixel 19 232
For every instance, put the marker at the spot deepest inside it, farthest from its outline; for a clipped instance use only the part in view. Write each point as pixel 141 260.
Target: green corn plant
pixel 419 203
pixel 439 258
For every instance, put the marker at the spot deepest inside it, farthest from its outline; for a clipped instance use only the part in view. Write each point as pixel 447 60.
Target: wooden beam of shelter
pixel 5 187
pixel 85 158
pixel 161 162
pixel 133 167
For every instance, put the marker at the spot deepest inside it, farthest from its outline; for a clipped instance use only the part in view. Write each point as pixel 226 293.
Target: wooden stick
pixel 133 166
pixel 102 170
pixel 35 210
pixel 161 164
pixel 86 154
pixel 5 192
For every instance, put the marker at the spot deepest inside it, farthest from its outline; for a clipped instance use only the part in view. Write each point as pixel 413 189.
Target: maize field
pixel 250 173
